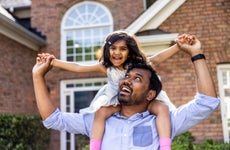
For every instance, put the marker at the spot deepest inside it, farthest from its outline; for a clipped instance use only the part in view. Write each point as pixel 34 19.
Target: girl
pixel 119 50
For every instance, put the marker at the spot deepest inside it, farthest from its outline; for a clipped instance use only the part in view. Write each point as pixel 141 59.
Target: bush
pixel 22 132
pixel 185 142
pixel 82 142
pixel 211 145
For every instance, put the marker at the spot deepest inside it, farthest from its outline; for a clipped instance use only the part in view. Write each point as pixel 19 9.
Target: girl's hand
pixel 42 66
pixel 186 38
pixel 44 57
pixel 190 44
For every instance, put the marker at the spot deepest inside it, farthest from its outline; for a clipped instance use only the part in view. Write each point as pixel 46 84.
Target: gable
pixel 154 16
pixel 150 20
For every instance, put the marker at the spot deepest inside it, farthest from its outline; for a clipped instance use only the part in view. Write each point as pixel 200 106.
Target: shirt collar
pixel 133 117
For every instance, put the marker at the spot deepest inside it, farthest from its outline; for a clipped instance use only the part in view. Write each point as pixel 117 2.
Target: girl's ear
pixel 151 94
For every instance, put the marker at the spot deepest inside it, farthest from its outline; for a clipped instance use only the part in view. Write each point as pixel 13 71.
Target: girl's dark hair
pixel 135 53
pixel 154 82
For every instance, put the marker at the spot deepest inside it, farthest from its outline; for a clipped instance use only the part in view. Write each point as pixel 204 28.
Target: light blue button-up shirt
pixel 139 131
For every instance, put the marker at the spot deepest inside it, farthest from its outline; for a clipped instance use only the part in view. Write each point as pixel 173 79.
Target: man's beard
pixel 127 100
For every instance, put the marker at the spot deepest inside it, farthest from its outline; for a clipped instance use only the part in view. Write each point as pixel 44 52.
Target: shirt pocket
pixel 142 136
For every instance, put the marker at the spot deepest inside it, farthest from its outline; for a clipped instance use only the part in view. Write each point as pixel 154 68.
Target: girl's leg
pixel 97 131
pixel 99 125
pixel 163 124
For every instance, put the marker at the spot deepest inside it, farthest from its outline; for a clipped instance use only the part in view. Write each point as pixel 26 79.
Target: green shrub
pixel 82 142
pixel 22 132
pixel 211 145
pixel 185 142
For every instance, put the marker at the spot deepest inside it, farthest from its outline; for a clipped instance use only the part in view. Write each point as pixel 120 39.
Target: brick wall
pixel 209 21
pixel 17 94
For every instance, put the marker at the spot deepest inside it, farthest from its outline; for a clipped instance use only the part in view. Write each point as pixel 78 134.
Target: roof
pixel 15 31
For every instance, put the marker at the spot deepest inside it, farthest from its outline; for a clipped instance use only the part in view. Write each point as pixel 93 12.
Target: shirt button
pixel 125 135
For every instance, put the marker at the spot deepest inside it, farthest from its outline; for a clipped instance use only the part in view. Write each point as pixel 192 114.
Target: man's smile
pixel 125 90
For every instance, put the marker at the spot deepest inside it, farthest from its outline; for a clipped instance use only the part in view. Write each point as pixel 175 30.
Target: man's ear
pixel 151 94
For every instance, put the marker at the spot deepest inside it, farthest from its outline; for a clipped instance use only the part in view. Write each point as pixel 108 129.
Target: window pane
pixel 70 58
pixel 224 74
pixel 79 85
pixel 88 84
pixel 88 57
pixel 70 51
pixel 88 50
pixel 98 84
pixel 79 58
pixel 79 50
pixel 69 42
pixel 83 99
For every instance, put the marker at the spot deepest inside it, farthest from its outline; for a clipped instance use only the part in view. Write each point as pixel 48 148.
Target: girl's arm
pixel 168 52
pixel 74 67
pixel 164 54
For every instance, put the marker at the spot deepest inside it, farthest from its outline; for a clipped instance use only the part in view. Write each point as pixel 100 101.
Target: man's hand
pixel 44 103
pixel 190 44
pixel 42 66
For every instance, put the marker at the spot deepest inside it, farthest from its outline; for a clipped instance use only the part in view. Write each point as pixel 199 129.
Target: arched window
pixel 83 31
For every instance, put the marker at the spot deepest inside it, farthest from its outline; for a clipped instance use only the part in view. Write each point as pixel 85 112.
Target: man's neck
pixel 129 111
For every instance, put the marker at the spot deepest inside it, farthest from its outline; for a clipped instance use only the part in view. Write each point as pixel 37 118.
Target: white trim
pixel 157 39
pixel 16 32
pixel 145 4
pixel 152 44
pixel 154 15
pixel 223 104
pixel 15 3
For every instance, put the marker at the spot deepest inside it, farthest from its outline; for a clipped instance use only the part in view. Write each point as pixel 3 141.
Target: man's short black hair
pixel 155 83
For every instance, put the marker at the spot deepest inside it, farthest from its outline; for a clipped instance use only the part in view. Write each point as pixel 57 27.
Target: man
pixel 133 127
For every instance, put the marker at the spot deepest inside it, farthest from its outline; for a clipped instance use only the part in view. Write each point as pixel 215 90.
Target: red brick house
pixel 75 29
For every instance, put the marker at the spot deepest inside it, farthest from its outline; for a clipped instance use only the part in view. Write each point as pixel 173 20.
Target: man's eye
pixel 138 79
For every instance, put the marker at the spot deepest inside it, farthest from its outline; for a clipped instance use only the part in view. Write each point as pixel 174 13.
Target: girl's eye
pixel 124 49
pixel 112 48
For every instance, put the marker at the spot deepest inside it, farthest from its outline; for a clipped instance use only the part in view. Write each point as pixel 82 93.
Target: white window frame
pixel 225 111
pixel 64 29
pixel 70 92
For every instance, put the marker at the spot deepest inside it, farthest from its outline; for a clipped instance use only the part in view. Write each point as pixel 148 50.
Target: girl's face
pixel 118 54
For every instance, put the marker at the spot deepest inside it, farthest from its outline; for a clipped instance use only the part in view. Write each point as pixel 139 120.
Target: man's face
pixel 133 89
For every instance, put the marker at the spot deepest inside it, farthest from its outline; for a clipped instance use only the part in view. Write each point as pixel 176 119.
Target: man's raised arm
pixel 43 100
pixel 204 81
